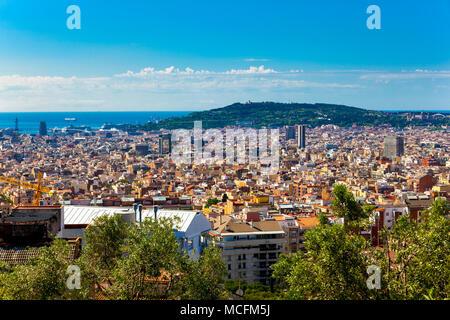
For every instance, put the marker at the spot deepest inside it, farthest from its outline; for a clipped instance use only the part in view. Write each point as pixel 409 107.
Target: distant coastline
pixel 29 121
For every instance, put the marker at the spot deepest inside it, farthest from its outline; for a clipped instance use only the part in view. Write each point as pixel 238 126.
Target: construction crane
pixel 38 188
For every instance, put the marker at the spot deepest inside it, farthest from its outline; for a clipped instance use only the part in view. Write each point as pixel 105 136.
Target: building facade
pixel 301 136
pixel 393 147
pixel 249 249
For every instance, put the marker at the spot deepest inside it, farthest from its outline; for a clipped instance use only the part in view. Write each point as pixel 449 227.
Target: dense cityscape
pixel 82 174
pixel 224 159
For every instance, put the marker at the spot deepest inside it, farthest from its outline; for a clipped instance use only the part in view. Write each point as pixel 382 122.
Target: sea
pixel 28 122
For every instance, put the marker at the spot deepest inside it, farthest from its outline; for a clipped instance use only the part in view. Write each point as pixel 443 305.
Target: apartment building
pixel 249 248
pixel 292 232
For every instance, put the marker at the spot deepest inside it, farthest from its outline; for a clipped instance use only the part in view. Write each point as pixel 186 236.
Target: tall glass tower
pixel 301 136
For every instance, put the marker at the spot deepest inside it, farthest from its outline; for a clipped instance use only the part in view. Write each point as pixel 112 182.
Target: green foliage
pixel 334 266
pixel 119 261
pixel 254 291
pixel 258 291
pixel 211 201
pixel 104 239
pixel 415 262
pixel 224 197
pixel 152 256
pixel 6 198
pixel 43 278
pixel 440 207
pixel 323 219
pixel 345 205
pixel 205 279
pixel 273 114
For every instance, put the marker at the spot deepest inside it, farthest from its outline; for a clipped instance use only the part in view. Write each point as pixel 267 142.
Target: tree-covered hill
pixel 274 114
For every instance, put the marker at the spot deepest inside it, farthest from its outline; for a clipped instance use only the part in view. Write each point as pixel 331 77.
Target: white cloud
pixel 408 75
pixel 252 70
pixel 150 71
pixel 173 87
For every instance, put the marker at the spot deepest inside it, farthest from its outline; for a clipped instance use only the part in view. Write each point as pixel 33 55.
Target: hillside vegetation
pixel 273 114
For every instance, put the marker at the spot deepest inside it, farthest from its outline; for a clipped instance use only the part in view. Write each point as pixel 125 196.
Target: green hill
pixel 273 114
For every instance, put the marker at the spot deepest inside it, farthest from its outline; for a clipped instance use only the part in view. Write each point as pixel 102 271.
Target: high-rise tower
pixel 43 128
pixel 301 136
pixel 165 143
pixel 290 133
pixel 393 147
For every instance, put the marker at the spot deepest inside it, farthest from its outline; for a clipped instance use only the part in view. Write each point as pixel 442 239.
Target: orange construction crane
pixel 36 187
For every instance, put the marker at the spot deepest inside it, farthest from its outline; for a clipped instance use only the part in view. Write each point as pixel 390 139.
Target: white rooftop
pixel 84 215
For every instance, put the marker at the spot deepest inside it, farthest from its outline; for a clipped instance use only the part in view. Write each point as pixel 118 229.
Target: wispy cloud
pixel 149 71
pixel 416 74
pixel 172 86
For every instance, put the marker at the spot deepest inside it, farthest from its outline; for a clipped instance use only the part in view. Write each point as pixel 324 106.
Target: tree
pixel 42 278
pixel 345 205
pixel 334 266
pixel 224 197
pixel 440 207
pixel 203 278
pixel 254 291
pixel 258 291
pixel 323 219
pixel 119 261
pixel 415 260
pixel 104 239
pixel 151 266
pixel 211 201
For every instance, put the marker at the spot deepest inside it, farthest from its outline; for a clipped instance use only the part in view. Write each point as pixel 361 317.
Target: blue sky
pixel 191 55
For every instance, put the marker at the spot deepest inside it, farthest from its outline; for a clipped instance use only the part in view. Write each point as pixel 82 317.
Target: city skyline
pixel 154 56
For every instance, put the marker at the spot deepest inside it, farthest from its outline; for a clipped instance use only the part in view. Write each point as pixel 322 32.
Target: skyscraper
pixel 393 147
pixel 165 144
pixel 290 133
pixel 43 128
pixel 15 135
pixel 301 136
